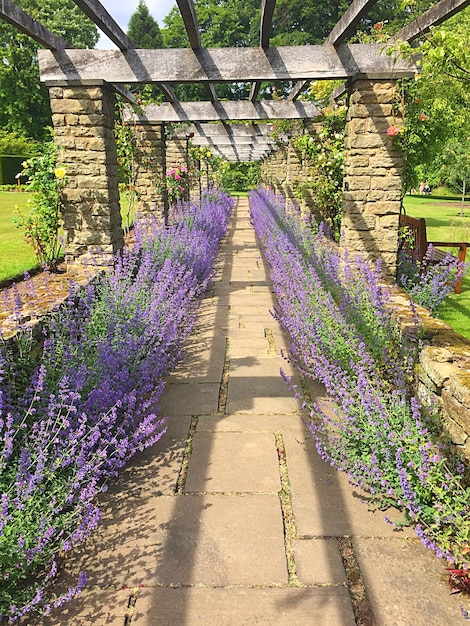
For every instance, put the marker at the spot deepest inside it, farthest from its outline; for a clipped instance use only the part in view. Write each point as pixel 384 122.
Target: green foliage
pixel 324 153
pixel 143 29
pixel 12 144
pixel 41 223
pixel 24 101
pixel 10 166
pixel 456 167
pixel 437 104
pixel 239 176
pixel 235 23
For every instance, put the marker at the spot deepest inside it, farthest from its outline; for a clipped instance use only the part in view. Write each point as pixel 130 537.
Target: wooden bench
pixel 417 243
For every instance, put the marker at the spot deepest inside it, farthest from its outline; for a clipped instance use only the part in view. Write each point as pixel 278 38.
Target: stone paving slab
pixel 227 461
pixel 253 423
pixel 210 540
pixel 404 584
pixel 324 503
pixel 189 398
pixel 319 562
pixel 156 469
pixel 243 607
pixel 203 360
pixel 92 607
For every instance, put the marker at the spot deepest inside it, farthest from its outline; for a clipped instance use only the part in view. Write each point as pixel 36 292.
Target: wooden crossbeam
pixel 15 16
pixel 222 64
pixel 233 141
pixel 188 14
pixel 229 130
pixel 296 90
pixel 100 16
pixel 346 25
pixel 437 14
pixel 225 110
pixel 267 12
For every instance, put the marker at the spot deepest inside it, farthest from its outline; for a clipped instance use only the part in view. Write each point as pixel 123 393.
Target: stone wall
pixel 443 373
pixel 83 119
pixel 149 168
pixel 373 170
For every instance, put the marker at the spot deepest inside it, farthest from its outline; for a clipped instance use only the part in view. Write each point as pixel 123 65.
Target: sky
pixel 121 11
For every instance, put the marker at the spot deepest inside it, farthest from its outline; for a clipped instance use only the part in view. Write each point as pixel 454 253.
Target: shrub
pixel 68 427
pixel 340 318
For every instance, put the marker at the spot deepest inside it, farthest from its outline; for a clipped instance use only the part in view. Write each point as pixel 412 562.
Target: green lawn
pixel 16 256
pixel 443 223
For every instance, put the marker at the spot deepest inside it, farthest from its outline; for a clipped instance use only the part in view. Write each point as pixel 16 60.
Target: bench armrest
pixel 452 244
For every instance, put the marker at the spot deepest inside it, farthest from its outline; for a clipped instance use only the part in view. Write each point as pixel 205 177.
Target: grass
pixel 443 223
pixel 17 256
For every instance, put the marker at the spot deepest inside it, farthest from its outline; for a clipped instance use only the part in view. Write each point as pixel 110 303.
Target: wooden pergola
pixel 372 182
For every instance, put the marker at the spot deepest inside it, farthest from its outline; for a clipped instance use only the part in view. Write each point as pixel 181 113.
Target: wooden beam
pixel 15 16
pixel 225 110
pixel 100 16
pixel 188 14
pixel 223 64
pixel 254 91
pixel 267 12
pixel 297 90
pixel 437 14
pixel 346 26
pixel 201 129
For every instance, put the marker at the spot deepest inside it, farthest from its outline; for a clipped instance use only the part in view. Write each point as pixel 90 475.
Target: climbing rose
pixel 392 131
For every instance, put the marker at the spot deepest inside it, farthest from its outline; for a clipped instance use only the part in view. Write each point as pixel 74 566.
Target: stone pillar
pixel 372 187
pixel 83 118
pixel 149 168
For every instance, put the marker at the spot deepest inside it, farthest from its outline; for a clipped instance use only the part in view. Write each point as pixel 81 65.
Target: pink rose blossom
pixel 392 131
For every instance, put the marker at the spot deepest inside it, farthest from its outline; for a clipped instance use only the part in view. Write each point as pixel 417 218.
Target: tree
pixel 143 29
pixel 24 101
pixel 456 167
pixel 235 23
pixel 437 104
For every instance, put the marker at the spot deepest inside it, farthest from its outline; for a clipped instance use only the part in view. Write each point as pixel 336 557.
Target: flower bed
pixel 344 333
pixel 71 421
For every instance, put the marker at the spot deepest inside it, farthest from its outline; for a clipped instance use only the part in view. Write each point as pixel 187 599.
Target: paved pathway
pixel 232 518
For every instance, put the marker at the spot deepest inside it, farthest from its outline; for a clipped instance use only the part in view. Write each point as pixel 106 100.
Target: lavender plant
pixel 343 333
pixel 428 283
pixel 92 400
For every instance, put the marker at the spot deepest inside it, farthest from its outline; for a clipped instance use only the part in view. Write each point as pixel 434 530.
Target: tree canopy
pixel 143 29
pixel 24 101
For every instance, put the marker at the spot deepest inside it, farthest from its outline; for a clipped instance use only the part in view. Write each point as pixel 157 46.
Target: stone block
pixel 456 410
pixel 368 140
pixel 459 387
pixel 386 182
pixel 358 183
pixel 438 372
pixel 359 221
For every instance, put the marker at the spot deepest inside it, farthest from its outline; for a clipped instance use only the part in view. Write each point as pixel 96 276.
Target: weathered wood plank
pixel 254 91
pixel 15 16
pixel 267 12
pixel 260 142
pixel 437 14
pixel 100 16
pixel 200 129
pixel 226 110
pixel 346 25
pixel 188 13
pixel 222 64
pixel 297 90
